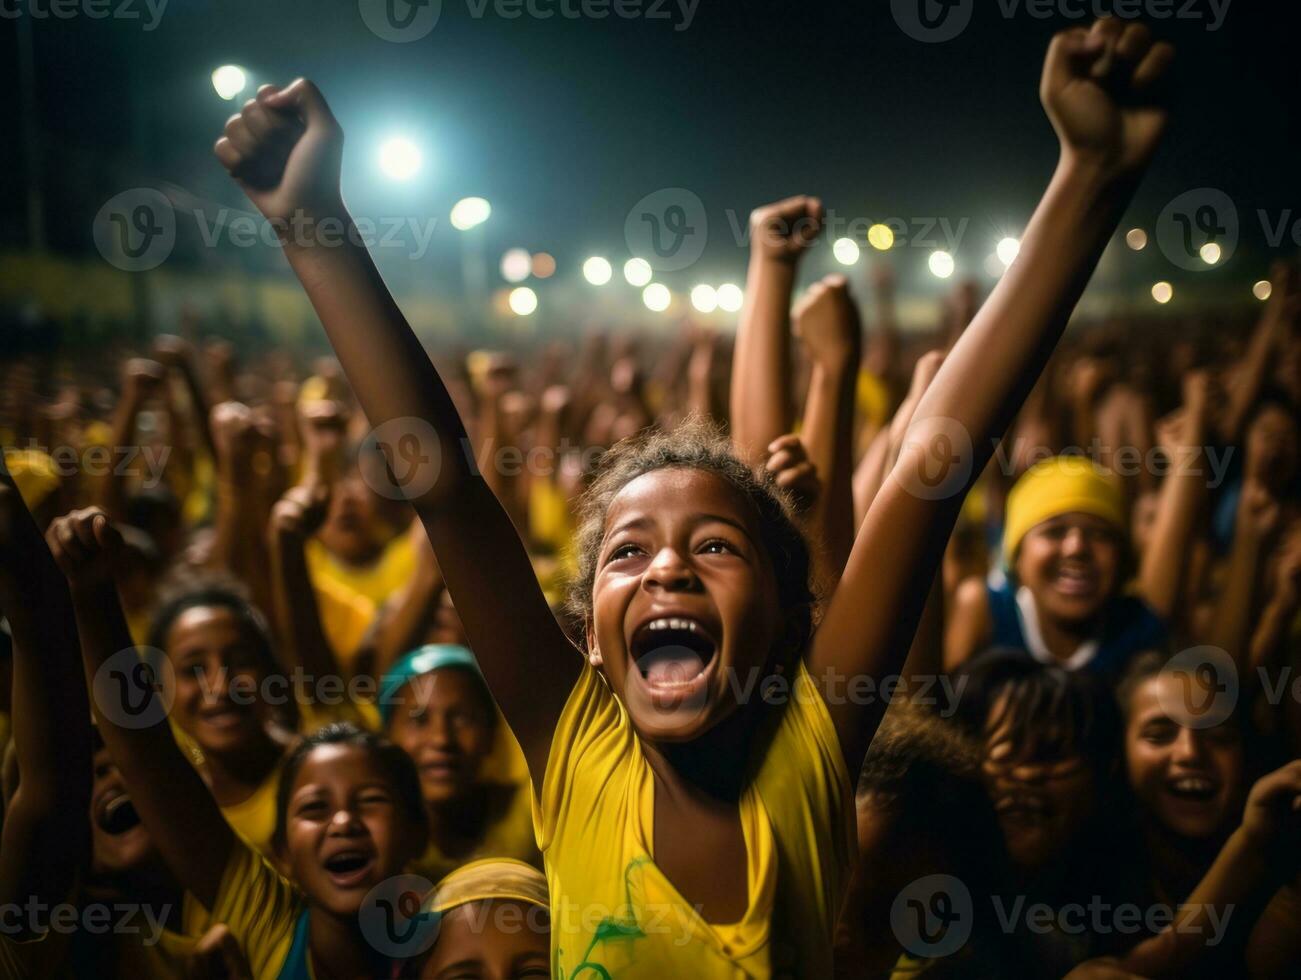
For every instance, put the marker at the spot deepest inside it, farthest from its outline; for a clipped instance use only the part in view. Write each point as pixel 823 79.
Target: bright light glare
pixel 399 158
pixel 881 237
pixel 638 272
pixel 1007 250
pixel 1136 238
pixel 730 297
pixel 657 297
pixel 941 264
pixel 523 301
pixel 704 298
pixel 229 81
pixel 516 265
pixel 845 250
pixel 1163 292
pixel 1263 290
pixel 597 271
pixel 1211 253
pixel 469 212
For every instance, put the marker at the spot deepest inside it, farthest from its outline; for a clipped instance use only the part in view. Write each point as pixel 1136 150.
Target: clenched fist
pixel 284 148
pixel 1100 89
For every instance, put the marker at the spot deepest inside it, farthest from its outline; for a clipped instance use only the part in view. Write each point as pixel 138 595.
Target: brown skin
pixel 351 531
pixel 490 941
pixel 340 803
pixel 285 151
pixel 1071 564
pixel 114 853
pixel 440 720
pixel 1159 752
pixel 1041 804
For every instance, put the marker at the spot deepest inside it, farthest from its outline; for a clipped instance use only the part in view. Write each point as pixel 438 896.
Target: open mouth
pixel 1074 581
pixel 1194 789
pixel 223 715
pixel 118 816
pixel 350 867
pixel 673 653
pixel 1023 809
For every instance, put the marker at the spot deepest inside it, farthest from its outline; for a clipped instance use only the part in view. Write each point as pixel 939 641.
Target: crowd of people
pixel 823 650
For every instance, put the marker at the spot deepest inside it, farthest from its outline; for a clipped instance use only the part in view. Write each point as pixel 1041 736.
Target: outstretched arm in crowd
pixel 142 379
pixel 1248 862
pixel 46 833
pixel 1096 86
pixel 1182 494
pixel 285 149
pixel 1249 374
pixel 168 792
pixel 827 323
pixel 760 397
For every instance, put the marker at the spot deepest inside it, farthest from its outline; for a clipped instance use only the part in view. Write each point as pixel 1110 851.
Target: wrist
pixel 1093 173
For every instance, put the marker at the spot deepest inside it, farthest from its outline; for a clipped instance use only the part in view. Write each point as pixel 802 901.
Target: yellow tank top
pixel 615 914
pixel 377 581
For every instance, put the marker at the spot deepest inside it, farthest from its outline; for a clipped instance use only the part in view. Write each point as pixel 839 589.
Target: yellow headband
pixel 492 879
pixel 1061 485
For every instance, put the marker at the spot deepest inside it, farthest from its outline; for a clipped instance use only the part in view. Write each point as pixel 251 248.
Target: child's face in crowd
pixel 491 941
pixel 441 721
pixel 1191 780
pixel 1072 564
pixel 345 828
pixel 351 529
pixel 119 840
pixel 684 601
pixel 217 678
pixel 1041 802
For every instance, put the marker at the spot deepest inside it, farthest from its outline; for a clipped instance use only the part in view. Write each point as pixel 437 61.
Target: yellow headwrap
pixel 492 879
pixel 1061 485
pixel 34 474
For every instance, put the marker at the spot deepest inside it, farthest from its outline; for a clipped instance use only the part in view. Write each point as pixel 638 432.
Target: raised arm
pixel 1161 571
pixel 760 397
pixel 284 149
pixel 827 323
pixel 46 834
pixel 167 791
pixel 1095 84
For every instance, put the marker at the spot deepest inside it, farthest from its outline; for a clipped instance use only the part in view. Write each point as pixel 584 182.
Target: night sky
pixel 565 123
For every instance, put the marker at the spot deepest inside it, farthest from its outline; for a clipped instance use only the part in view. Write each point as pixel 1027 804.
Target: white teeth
pixel 673 624
pixel 1193 785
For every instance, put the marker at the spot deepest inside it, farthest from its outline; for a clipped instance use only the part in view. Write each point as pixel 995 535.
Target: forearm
pixel 828 433
pixel 760 394
pixel 408 622
pixel 1238 871
pixel 388 369
pixel 1231 626
pixel 1163 564
pixel 168 793
pixel 298 618
pixel 112 495
pixel 1267 640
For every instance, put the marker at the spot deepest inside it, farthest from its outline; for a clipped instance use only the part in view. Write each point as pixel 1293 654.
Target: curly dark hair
pixel 697 444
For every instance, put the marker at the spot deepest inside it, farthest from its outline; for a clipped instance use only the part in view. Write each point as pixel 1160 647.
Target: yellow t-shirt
pixel 255 818
pixel 510 836
pixel 376 581
pixel 346 615
pixel 615 913
pixel 260 909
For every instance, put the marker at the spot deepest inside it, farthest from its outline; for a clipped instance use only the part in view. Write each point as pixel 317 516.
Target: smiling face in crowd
pixel 1072 565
